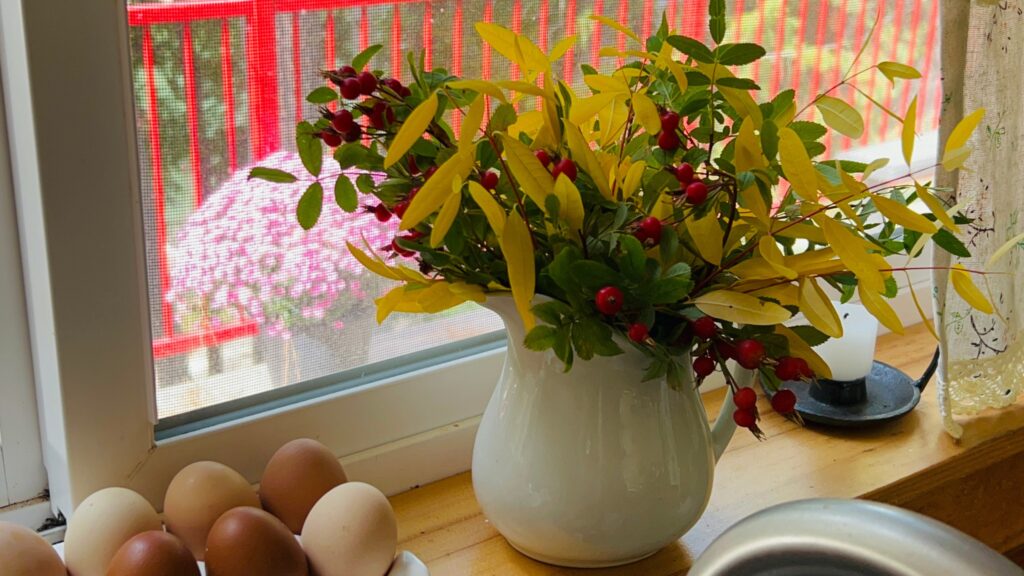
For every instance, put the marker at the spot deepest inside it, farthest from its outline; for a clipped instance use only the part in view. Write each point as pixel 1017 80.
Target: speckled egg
pixel 25 553
pixel 154 553
pixel 101 524
pixel 351 531
pixel 251 542
pixel 296 477
pixel 198 495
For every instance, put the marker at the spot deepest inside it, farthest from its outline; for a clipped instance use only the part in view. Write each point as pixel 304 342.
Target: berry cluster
pixel 378 96
pixel 556 165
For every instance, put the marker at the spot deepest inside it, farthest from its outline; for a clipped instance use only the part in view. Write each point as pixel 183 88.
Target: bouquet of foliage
pixel 666 210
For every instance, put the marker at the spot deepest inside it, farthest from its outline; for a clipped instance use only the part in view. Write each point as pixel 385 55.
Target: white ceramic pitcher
pixel 592 467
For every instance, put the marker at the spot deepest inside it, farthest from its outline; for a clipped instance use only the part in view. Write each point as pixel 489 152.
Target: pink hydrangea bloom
pixel 243 255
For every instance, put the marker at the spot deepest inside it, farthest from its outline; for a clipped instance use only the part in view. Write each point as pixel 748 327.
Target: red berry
pixel 399 250
pixel 749 353
pixel 367 82
pixel 637 333
pixel 400 208
pixel 412 193
pixel 331 138
pixel 669 121
pixel 381 115
pixel 788 368
pixel 705 328
pixel 744 418
pixel 346 71
pixel 413 167
pixel 543 157
pixel 703 366
pixel 489 180
pixel 609 300
pixel 382 213
pixel 684 173
pixel 393 84
pixel 648 229
pixel 565 166
pixel 342 121
pixel 351 89
pixel 745 398
pixel 804 368
pixel 429 172
pixel 354 133
pixel 726 350
pixel 696 193
pixel 668 141
pixel 784 401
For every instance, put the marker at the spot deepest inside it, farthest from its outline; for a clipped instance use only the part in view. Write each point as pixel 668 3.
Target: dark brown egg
pixel 154 553
pixel 296 477
pixel 250 542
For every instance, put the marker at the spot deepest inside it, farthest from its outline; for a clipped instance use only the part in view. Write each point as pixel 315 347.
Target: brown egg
pixel 351 531
pixel 196 498
pixel 25 553
pixel 101 524
pixel 154 553
pixel 298 474
pixel 251 542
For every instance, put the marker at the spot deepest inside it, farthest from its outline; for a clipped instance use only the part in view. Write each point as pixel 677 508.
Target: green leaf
pixel 669 290
pixel 738 54
pixel 322 95
pixel 770 139
pixel 554 312
pixel 657 369
pixel 740 83
pixel 894 70
pixel 541 338
pixel 560 269
pixel 633 258
pixel 345 194
pixel 716 24
pixel 310 148
pixel 365 183
pixel 808 131
pixel 272 175
pixel 840 116
pixel 950 243
pixel 310 205
pixel 810 334
pixel 692 48
pixel 364 57
pixel 594 275
pixel 350 154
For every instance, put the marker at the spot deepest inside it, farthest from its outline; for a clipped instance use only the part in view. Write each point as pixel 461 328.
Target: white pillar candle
pixel 851 356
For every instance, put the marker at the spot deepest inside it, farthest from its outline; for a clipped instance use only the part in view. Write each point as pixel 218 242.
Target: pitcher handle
pixel 725 426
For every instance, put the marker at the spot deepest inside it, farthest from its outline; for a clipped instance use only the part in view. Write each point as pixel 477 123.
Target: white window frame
pixel 77 187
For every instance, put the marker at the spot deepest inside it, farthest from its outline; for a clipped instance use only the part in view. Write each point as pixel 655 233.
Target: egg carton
pixel 406 564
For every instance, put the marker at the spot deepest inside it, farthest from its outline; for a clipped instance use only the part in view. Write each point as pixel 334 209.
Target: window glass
pixel 243 302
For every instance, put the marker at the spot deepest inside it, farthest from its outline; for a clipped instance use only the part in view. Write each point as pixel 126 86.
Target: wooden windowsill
pixel 974 485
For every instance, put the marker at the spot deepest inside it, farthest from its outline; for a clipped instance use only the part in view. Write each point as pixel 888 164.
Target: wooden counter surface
pixel 976 485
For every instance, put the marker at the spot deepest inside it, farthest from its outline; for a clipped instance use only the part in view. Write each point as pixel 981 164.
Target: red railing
pixel 265 22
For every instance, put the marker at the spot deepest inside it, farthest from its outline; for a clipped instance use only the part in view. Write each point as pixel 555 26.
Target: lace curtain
pixel 983 67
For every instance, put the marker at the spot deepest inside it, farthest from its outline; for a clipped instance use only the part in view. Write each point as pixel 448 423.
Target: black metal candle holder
pixel 884 395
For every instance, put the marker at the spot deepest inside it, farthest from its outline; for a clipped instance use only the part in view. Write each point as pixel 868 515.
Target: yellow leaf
pixel 527 122
pixel 784 294
pixel 851 251
pixel 840 116
pixel 610 52
pixel 373 264
pixel 530 175
pixel 412 130
pixel 797 164
pixel 769 250
pixel 471 124
pixel 909 123
pixel 1004 250
pixel 492 211
pixel 561 48
pixel 511 46
pixel 936 207
pixel 615 25
pixel 663 207
pixel 879 308
pixel 902 216
pixel 741 308
pixel 570 204
pixel 586 108
pixel 965 287
pixel 802 231
pixel 800 349
pixel 631 182
pixel 707 235
pixel 518 251
pixel 647 113
pixel 437 189
pixel 957 151
pixel 480 87
pixel 585 158
pixel 756 268
pixel 749 155
pixel 551 111
pixel 920 310
pixel 818 309
pixel 874 165
pixel 893 70
pixel 601 83
pixel 678 73
pixel 523 87
pixel 445 218
pixel 613 121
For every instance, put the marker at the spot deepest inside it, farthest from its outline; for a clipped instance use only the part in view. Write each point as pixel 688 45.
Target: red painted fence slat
pixel 192 115
pixel 227 73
